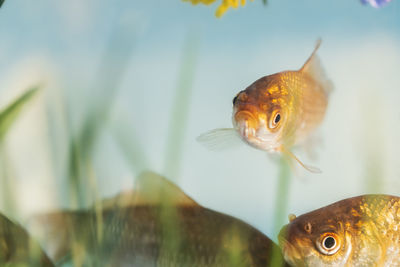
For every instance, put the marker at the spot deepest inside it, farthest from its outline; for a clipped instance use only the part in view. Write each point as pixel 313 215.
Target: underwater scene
pixel 200 133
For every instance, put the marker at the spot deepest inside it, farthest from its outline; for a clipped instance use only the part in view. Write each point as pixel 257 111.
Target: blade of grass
pixel 111 71
pixel 179 112
pixel 373 152
pixel 281 205
pixel 175 137
pixel 8 116
pixel 11 112
pixel 7 184
pixel 132 150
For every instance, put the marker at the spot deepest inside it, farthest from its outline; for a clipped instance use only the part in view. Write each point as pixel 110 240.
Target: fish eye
pixel 328 244
pixel 275 119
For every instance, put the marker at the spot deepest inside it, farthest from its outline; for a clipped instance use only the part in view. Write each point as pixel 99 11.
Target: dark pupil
pixel 329 242
pixel 277 118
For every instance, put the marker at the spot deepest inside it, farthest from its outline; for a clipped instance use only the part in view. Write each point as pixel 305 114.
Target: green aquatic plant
pixel 180 109
pixel 81 144
pixel 281 204
pixel 8 116
pixel 1 2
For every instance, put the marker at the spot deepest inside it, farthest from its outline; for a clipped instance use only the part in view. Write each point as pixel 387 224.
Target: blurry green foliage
pixel 81 143
pixel 180 109
pixel 281 204
pixel 9 115
pixel 1 2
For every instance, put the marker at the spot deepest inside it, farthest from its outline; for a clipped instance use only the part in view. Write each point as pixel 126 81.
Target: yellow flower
pixel 195 2
pixel 223 7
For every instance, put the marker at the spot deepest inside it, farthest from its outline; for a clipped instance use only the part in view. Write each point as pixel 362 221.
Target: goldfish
pixel 375 3
pixel 18 248
pixel 358 231
pixel 154 225
pixel 279 111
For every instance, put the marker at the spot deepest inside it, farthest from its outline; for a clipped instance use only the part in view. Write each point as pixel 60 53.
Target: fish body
pixel 17 248
pixel 145 232
pixel 281 110
pixel 359 231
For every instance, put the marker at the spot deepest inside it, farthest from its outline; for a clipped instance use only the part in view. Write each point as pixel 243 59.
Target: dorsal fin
pixel 313 67
pixel 150 189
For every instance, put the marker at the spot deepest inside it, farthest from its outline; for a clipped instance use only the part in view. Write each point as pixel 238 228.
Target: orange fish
pixel 358 231
pixel 279 111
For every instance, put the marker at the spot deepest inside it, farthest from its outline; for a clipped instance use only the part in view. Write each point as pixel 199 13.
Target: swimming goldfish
pixel 17 248
pixel 155 225
pixel 358 231
pixel 280 110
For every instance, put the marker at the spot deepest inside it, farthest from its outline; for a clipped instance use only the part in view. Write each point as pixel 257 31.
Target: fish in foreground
pixel 278 111
pixel 156 225
pixel 359 231
pixel 375 3
pixel 17 248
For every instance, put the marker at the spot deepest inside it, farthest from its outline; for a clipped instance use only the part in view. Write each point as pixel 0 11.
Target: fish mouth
pixel 245 123
pixel 290 253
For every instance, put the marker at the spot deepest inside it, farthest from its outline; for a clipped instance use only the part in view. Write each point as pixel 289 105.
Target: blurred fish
pixel 17 248
pixel 375 3
pixel 279 111
pixel 359 231
pixel 155 225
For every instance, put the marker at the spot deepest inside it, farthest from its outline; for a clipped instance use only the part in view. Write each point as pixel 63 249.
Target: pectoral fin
pixel 219 139
pixel 309 168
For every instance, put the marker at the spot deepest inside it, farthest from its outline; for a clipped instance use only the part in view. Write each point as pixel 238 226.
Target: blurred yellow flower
pixel 223 7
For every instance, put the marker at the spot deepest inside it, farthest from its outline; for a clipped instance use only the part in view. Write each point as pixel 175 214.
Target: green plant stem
pixel 281 204
pixel 179 113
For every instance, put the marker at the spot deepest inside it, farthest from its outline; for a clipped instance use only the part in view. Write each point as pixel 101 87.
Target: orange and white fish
pixel 279 111
pixel 357 231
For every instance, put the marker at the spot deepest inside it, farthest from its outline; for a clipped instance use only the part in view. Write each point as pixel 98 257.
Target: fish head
pixel 316 239
pixel 260 114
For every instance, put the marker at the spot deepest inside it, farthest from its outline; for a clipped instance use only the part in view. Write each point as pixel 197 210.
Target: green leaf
pixel 9 115
pixel 1 2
